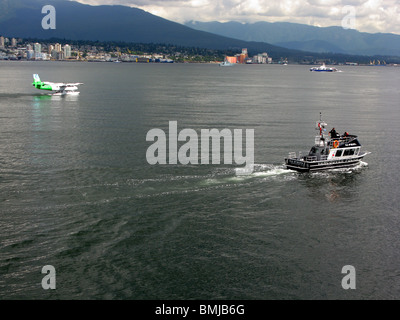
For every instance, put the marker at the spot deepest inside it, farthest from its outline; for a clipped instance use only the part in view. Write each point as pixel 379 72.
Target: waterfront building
pixel 67 51
pixel 243 56
pixel 231 59
pixel 37 47
pixel 30 54
pixel 261 58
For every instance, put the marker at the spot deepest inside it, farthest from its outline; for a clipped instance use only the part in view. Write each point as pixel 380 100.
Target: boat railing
pixel 311 158
pixel 344 139
pixel 315 158
pixel 293 155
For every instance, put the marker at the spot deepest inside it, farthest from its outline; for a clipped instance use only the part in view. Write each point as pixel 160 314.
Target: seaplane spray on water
pixel 59 88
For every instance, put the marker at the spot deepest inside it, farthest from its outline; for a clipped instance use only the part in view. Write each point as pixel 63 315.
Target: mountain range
pixel 77 21
pixel 307 38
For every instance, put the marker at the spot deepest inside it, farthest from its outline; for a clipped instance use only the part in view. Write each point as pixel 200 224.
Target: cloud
pixel 370 15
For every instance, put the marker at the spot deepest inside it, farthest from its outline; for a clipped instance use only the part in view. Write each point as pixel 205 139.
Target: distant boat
pixel 226 63
pixel 323 68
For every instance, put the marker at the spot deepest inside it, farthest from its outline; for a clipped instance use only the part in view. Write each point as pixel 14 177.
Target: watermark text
pixel 188 153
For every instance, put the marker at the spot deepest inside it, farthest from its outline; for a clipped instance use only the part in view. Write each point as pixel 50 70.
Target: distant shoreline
pixel 196 62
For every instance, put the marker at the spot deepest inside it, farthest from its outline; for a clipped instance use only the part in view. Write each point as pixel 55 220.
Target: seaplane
pixel 59 88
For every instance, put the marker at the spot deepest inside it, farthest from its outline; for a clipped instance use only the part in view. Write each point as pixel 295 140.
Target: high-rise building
pixel 67 51
pixel 37 47
pixel 50 48
pixel 60 55
pixel 57 47
pixel 13 42
pixel 30 54
pixel 54 54
pixel 243 56
pixel 2 42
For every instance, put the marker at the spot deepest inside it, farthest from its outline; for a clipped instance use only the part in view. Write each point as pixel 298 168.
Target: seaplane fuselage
pixel 59 88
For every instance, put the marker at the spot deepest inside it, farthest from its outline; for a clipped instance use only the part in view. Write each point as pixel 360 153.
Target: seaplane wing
pixel 60 88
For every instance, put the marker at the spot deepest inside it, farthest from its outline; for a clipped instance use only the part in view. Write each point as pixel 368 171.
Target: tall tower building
pixel 67 51
pixel 1 42
pixel 57 47
pixel 30 54
pixel 13 42
pixel 243 56
pixel 37 47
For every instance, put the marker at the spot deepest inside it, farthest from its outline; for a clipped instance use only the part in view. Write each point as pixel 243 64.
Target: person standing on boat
pixel 333 133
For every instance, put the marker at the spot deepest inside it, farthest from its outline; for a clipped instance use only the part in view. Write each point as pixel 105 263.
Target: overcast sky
pixel 370 15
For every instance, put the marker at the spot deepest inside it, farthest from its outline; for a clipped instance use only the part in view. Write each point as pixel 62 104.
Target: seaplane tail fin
pixel 36 78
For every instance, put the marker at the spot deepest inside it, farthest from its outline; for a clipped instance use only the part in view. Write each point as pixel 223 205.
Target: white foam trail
pixel 265 170
pixel 363 164
pixel 272 172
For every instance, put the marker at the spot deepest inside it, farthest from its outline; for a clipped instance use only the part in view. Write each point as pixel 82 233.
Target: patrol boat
pixel 340 151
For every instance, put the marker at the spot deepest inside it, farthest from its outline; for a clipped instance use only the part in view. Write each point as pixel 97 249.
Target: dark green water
pixel 77 193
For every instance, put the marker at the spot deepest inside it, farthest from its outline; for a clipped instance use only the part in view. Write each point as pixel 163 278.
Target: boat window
pixel 313 150
pixel 338 153
pixel 348 152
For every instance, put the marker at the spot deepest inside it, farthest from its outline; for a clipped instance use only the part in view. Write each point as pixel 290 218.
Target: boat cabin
pixel 318 153
pixel 334 148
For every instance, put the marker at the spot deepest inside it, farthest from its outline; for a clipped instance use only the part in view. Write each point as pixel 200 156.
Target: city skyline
pixel 371 16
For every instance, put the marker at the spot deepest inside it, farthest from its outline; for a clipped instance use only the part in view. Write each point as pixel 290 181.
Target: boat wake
pixel 265 170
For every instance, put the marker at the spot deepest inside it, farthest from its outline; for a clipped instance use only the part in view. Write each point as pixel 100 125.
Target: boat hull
pixel 311 166
pixel 323 70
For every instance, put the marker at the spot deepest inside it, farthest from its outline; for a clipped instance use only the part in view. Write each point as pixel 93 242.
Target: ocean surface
pixel 77 191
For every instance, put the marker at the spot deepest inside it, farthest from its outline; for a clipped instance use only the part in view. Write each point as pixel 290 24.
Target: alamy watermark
pixel 349 20
pixel 49 280
pixel 349 280
pixel 188 153
pixel 49 20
